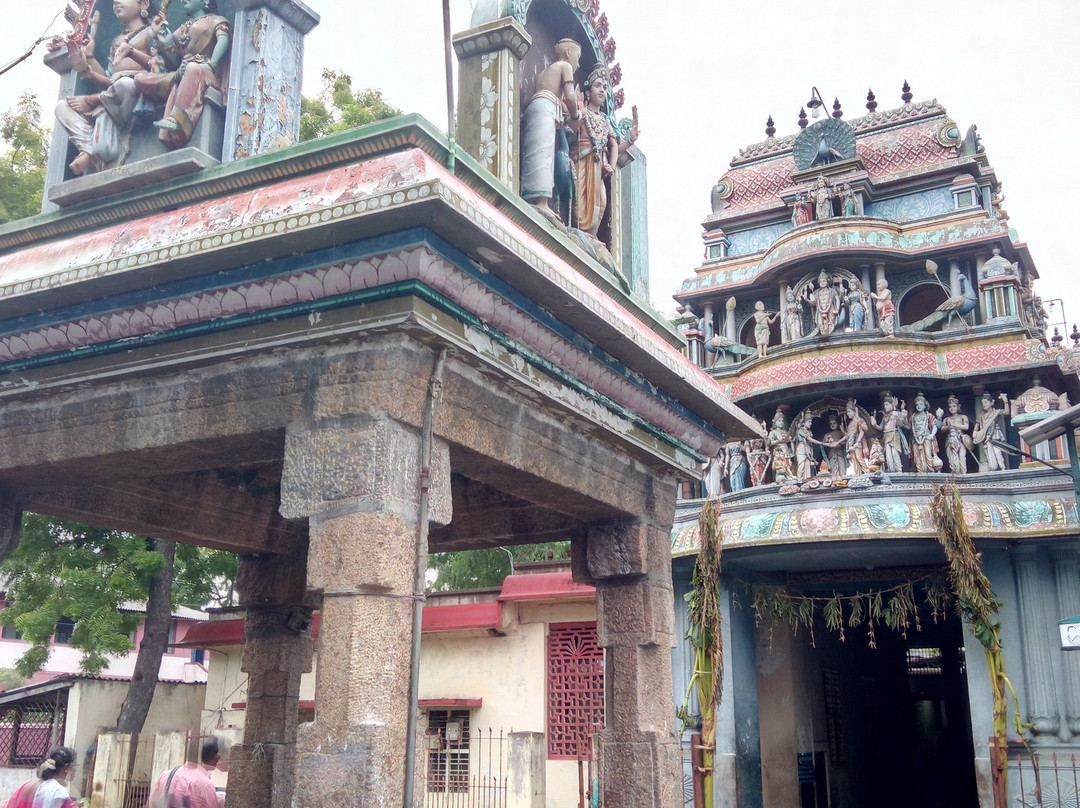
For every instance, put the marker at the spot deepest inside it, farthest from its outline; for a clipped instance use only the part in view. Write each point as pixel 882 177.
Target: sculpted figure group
pixel 150 72
pixel 851 441
pixel 569 148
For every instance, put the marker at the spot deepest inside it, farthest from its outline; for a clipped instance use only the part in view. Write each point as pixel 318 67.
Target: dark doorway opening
pixel 894 726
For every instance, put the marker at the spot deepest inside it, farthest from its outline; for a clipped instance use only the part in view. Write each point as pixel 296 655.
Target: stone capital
pixel 493 36
pixel 362 464
pixel 295 13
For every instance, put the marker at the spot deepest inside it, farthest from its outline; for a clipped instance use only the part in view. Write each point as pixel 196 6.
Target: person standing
pixel 50 790
pixel 189 786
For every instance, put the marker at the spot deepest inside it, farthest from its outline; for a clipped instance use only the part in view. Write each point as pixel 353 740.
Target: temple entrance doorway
pixel 892 722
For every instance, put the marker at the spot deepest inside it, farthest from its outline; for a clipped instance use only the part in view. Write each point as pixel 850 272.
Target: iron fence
pixel 465 768
pixel 1052 782
pixel 28 729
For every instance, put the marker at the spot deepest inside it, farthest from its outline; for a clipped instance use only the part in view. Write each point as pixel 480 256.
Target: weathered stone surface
pixel 261 775
pixel 641 774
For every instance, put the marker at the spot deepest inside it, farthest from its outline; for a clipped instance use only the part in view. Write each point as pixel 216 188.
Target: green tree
pixel 22 164
pixel 481 569
pixel 338 107
pixel 85 576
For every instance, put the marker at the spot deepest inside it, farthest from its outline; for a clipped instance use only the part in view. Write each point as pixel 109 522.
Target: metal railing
pixel 28 729
pixel 1046 782
pixel 465 769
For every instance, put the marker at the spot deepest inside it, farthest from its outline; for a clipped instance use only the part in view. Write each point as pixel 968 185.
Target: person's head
pixel 568 50
pixel 128 11
pixel 882 285
pixel 920 402
pixel 987 401
pixel 215 752
pixel 60 764
pixel 790 295
pixel 822 279
pixel 954 404
pixel 596 86
pixel 834 422
pixel 759 306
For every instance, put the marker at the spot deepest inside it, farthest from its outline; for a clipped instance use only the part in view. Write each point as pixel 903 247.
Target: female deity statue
pixel 762 320
pixel 738 468
pixel 825 301
pixel 847 196
pixel 990 427
pixel 793 317
pixel 835 452
pixel 801 212
pixel 855 428
pixel 893 440
pixel 100 124
pixel 958 444
pixel 758 457
pixel 595 152
pixel 713 474
pixel 779 443
pixel 924 445
pixel 856 302
pixel 195 58
pixel 883 305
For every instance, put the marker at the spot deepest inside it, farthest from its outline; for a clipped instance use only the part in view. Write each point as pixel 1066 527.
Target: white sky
pixel 706 74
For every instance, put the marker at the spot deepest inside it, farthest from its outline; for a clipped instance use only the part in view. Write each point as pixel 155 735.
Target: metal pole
pixel 449 58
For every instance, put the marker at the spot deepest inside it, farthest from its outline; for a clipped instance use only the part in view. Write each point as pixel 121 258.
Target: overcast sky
pixel 706 74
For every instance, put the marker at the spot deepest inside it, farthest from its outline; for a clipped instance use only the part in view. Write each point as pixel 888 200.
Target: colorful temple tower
pixel 865 298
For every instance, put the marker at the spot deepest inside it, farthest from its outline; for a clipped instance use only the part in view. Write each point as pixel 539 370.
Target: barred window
pixel 448 751
pixel 575 689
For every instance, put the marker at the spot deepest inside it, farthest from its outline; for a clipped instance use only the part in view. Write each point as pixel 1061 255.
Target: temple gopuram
pixel 865 297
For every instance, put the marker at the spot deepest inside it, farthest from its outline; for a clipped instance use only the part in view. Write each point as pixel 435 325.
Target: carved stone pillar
pixel 277 652
pixel 871 312
pixel 489 96
pixel 639 751
pixel 358 479
pixel 1041 700
pixel 1067 580
pixel 266 72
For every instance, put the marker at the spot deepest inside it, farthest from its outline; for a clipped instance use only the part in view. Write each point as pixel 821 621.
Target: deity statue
pixel 738 468
pixel 100 124
pixel 855 428
pixel 883 305
pixel 958 445
pixel 779 443
pixel 990 427
pixel 805 465
pixel 801 210
pixel 195 58
pixel 924 445
pixel 821 194
pixel 595 152
pixel 762 320
pixel 713 474
pixel 835 452
pixel 875 458
pixel 553 96
pixel 856 303
pixel 848 201
pixel 1038 399
pixel 825 302
pixel 758 457
pixel 894 442
pixel 792 321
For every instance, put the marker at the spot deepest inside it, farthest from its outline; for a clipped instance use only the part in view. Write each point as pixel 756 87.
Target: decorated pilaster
pixel 263 111
pixel 1038 665
pixel 489 103
pixel 1067 579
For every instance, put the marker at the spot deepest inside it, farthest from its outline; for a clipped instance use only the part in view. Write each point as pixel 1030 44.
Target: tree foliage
pixel 339 107
pixel 22 165
pixel 87 575
pixel 481 569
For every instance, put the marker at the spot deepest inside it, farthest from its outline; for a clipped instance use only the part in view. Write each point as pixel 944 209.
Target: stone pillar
pixel 1041 700
pixel 11 515
pixel 710 326
pixel 1067 580
pixel 489 103
pixel 639 753
pixel 266 73
pixel 358 479
pixel 871 312
pixel 980 259
pixel 56 167
pixel 277 652
pixel 526 766
pixel 784 337
pixel 954 277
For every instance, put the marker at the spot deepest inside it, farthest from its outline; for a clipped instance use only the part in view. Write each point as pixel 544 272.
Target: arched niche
pixel 920 301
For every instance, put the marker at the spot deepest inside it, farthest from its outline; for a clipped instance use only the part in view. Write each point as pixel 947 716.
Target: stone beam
pixel 486 517
pixel 223 509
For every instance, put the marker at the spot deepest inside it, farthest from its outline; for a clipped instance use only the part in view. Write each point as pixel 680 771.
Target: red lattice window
pixel 575 689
